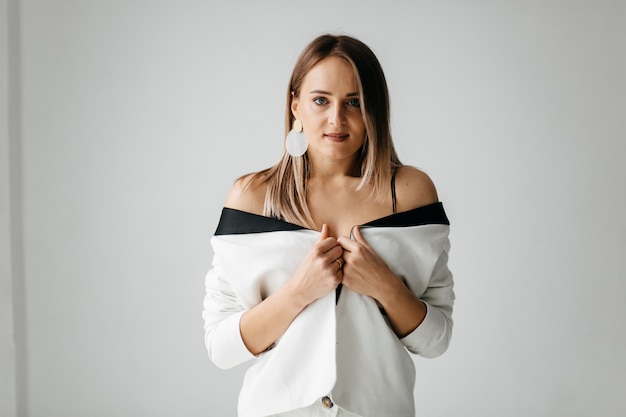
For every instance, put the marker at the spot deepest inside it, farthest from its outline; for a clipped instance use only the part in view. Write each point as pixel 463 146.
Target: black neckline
pixel 233 221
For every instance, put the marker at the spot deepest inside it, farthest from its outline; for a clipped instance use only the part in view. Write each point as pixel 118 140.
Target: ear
pixel 294 105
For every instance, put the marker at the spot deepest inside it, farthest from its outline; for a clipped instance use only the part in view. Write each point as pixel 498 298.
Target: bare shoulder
pixel 414 188
pixel 247 194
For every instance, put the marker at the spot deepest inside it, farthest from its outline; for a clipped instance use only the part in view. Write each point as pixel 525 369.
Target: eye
pixel 354 102
pixel 320 100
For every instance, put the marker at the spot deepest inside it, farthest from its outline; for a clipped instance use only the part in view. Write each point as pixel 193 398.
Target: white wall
pixel 10 223
pixel 7 347
pixel 138 115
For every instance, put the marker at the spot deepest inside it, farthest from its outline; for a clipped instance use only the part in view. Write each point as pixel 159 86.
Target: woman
pixel 327 309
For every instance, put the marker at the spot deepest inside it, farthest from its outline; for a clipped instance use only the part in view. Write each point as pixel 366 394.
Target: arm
pixel 432 337
pixel 367 273
pixel 423 324
pixel 221 315
pixel 317 275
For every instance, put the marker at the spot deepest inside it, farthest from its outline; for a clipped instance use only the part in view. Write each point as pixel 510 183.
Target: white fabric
pixel 318 409
pixel 347 348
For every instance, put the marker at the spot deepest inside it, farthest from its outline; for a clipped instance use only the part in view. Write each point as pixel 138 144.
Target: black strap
pixel 393 193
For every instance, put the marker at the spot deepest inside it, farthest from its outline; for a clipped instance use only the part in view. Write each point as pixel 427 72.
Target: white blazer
pixel 341 348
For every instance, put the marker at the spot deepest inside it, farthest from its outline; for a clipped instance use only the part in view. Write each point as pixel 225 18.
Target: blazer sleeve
pixel 222 313
pixel 432 337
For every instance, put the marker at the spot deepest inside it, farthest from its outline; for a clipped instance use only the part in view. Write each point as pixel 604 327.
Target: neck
pixel 322 169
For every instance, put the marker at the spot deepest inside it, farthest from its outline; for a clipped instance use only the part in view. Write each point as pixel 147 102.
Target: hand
pixel 320 271
pixel 364 271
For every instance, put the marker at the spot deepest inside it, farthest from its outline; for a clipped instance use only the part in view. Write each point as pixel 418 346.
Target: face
pixel 328 105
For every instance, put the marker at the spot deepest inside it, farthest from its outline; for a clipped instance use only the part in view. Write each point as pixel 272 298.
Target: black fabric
pixel 393 193
pixel 233 221
pixel 430 214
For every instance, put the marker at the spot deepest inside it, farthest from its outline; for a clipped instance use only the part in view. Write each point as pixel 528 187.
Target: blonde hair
pixel 286 181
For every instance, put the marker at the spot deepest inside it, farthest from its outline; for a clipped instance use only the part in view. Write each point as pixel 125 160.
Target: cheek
pixel 314 109
pixel 309 114
pixel 311 119
pixel 358 124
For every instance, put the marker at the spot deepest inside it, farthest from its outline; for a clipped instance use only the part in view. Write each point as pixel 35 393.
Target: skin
pixel 328 106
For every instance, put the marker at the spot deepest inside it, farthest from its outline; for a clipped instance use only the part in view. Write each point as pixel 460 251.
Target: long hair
pixel 287 180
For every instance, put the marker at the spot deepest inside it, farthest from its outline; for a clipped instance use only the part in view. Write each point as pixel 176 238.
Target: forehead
pixel 332 73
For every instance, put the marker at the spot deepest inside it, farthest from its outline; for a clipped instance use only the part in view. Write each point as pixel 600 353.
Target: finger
pixel 324 246
pixel 325 242
pixel 325 233
pixel 339 263
pixel 347 244
pixel 356 232
pixel 334 253
pixel 358 237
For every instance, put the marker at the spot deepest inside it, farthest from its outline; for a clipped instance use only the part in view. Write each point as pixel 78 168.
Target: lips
pixel 336 137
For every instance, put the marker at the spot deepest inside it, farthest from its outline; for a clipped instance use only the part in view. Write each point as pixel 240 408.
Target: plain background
pixel 124 123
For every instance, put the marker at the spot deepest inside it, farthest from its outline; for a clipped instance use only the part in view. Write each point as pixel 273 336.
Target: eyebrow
pixel 354 94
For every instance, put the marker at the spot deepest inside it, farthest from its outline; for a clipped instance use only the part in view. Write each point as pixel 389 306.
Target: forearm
pixel 404 310
pixel 266 322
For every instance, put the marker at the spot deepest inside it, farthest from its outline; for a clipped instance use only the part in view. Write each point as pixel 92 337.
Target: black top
pixel 233 221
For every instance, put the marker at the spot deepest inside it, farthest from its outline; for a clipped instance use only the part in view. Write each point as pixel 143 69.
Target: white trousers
pixel 318 409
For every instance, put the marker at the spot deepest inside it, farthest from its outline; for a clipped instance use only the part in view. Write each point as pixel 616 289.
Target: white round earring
pixel 296 142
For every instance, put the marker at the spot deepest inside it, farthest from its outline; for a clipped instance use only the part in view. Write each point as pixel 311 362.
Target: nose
pixel 336 115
